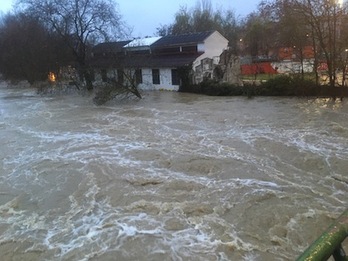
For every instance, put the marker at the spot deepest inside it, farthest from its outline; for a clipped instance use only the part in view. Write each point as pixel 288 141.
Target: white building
pixel 160 62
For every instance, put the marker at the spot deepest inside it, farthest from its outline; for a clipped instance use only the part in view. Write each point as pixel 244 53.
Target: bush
pixel 112 90
pixel 213 88
pixel 47 88
pixel 282 85
pixel 285 85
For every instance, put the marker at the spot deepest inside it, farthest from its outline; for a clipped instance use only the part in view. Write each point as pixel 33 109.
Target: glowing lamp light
pixel 51 77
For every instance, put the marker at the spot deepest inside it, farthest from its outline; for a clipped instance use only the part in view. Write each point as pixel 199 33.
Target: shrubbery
pixel 214 88
pixel 111 90
pixel 283 85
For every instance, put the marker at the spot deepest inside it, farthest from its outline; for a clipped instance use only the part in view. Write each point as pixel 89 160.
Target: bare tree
pixel 291 29
pixel 118 71
pixel 123 86
pixel 31 50
pixel 324 18
pixel 319 23
pixel 182 23
pixel 257 31
pixel 202 18
pixel 79 23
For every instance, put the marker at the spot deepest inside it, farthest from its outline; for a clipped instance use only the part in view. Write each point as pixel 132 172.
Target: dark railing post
pixel 339 254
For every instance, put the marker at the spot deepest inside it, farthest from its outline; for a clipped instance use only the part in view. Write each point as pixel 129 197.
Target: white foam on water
pixel 249 204
pixel 258 183
pixel 100 227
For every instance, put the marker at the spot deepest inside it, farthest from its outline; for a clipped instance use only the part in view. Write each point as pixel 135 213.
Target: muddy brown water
pixel 170 177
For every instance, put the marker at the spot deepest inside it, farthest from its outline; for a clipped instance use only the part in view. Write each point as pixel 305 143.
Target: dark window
pixel 140 52
pixel 138 76
pixel 104 75
pixel 175 77
pixel 189 49
pixel 170 50
pixel 120 76
pixel 156 76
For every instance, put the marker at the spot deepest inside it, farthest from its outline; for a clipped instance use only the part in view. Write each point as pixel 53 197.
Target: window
pixel 138 76
pixel 156 76
pixel 175 77
pixel 189 49
pixel 120 76
pixel 104 75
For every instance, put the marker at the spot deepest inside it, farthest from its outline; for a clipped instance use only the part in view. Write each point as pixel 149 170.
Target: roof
pixel 134 59
pixel 147 61
pixel 154 42
pixel 110 47
pixel 169 61
pixel 175 40
pixel 142 42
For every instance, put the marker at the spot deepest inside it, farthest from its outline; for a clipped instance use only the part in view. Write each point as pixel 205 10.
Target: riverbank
pixel 278 86
pixel 281 86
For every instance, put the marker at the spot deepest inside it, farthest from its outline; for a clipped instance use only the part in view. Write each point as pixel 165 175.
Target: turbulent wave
pixel 170 177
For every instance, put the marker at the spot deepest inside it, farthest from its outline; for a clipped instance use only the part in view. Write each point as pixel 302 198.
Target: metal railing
pixel 329 243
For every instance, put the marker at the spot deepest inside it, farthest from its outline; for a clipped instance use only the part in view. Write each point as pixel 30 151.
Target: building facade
pixel 157 63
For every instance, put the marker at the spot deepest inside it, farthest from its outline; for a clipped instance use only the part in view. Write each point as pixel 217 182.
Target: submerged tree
pixel 79 23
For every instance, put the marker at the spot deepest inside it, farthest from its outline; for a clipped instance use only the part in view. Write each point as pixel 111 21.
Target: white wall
pixel 165 80
pixel 147 79
pixel 293 67
pixel 213 46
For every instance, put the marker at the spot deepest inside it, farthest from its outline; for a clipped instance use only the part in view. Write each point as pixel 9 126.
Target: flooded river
pixel 170 177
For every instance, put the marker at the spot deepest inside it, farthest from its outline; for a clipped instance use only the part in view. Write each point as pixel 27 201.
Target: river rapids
pixel 172 176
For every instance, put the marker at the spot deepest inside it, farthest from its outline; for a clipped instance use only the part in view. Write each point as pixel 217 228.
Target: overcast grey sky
pixel 144 16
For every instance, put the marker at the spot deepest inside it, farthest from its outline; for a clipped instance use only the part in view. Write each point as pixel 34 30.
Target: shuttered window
pixel 175 77
pixel 156 76
pixel 138 76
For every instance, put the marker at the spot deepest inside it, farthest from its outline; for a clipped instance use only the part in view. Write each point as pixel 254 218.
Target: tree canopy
pixel 42 35
pixel 203 17
pixel 29 49
pixel 79 23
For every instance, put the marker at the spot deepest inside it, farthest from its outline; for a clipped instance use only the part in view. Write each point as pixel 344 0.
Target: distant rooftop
pixel 154 42
pixel 175 40
pixel 109 47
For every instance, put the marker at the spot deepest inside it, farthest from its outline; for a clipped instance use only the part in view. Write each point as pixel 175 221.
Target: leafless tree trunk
pixel 322 17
